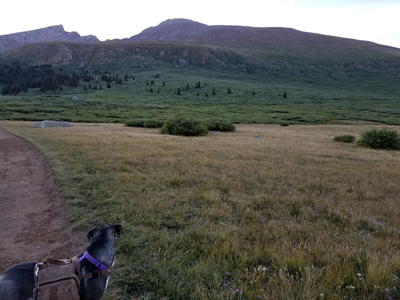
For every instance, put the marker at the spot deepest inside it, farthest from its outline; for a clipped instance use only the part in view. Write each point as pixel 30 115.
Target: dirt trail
pixel 33 221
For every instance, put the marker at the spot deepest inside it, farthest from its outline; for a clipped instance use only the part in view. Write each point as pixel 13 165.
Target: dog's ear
pixel 90 233
pixel 117 228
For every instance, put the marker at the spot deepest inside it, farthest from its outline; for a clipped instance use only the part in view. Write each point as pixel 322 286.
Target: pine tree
pixel 213 92
pixel 108 85
pixel 229 91
pixel 178 91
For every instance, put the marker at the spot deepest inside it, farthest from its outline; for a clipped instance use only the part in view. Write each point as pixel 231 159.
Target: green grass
pixel 290 215
pixel 255 98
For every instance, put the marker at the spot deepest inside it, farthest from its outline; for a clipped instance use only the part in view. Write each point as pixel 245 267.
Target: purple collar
pixel 93 261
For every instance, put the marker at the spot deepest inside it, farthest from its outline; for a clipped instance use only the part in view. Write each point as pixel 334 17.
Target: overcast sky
pixel 371 20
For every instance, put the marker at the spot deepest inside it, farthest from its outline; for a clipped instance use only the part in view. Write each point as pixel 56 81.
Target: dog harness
pixel 97 264
pixel 60 279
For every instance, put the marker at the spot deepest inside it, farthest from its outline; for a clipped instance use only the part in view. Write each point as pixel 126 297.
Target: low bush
pixel 345 138
pixel 220 125
pixel 183 126
pixel 153 124
pixel 146 123
pixel 384 138
pixel 135 123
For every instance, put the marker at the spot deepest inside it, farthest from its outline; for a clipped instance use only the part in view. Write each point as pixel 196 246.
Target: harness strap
pixel 98 274
pixel 104 270
pixel 93 261
pixel 36 272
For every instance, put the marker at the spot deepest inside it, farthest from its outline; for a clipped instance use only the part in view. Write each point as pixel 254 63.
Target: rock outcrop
pixel 52 33
pixel 51 124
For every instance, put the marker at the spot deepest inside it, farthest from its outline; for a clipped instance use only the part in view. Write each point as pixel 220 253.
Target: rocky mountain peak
pixel 171 29
pixel 51 33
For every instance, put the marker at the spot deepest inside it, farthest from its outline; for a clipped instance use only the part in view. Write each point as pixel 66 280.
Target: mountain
pixel 187 31
pixel 52 33
pixel 277 52
pixel 274 75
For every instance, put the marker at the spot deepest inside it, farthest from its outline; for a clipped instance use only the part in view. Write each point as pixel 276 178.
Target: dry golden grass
pixel 320 217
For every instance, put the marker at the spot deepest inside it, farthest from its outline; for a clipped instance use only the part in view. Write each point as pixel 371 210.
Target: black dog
pixel 17 283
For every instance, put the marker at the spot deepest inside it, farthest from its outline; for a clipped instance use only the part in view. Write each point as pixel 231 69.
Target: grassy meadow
pixel 312 97
pixel 289 215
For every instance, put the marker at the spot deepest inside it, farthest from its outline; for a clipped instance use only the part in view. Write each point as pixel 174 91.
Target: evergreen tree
pixel 213 92
pixel 187 87
pixel 229 91
pixel 178 91
pixel 108 85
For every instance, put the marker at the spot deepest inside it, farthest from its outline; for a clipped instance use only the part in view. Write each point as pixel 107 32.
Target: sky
pixel 371 20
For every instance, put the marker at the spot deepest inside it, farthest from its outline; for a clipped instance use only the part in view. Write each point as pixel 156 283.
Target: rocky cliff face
pixel 52 33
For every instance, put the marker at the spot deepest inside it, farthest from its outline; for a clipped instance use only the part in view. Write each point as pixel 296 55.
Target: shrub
pixel 384 138
pixel 220 125
pixel 146 123
pixel 346 138
pixel 135 123
pixel 284 124
pixel 183 126
pixel 153 124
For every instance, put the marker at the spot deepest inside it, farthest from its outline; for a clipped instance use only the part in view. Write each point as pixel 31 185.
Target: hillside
pixel 52 33
pixel 324 78
pixel 187 31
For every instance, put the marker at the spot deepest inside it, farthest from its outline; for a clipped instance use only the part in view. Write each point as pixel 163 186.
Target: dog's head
pixel 108 228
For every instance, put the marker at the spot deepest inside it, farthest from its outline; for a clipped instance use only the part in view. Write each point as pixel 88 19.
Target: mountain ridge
pixel 47 34
pixel 188 31
pixel 187 43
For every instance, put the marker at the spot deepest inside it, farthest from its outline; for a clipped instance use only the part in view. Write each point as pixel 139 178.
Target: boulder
pixel 51 124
